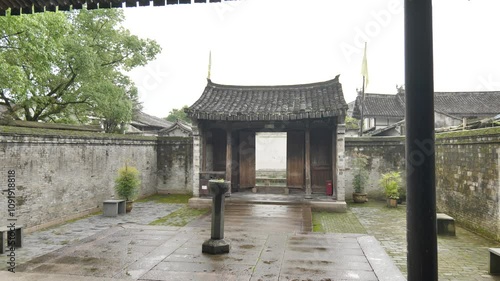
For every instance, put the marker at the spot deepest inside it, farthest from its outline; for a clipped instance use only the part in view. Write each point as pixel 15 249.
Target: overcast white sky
pixel 283 42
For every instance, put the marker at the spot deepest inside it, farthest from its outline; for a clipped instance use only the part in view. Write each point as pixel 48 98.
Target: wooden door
pixel 219 149
pixel 321 158
pixel 295 172
pixel 247 159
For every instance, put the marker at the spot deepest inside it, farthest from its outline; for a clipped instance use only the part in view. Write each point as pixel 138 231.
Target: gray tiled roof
pixel 458 104
pixel 252 103
pixel 378 105
pixel 144 119
pixel 468 104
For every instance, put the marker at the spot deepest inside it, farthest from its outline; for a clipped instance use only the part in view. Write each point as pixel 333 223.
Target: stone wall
pixel 467 178
pixel 467 173
pixel 385 154
pixel 175 165
pixel 62 175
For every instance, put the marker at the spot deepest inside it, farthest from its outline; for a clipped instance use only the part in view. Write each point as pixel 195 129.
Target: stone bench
pixel 112 208
pixel 494 261
pixel 445 224
pixel 18 231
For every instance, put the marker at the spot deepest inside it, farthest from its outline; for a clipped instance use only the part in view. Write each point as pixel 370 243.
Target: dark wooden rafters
pixel 18 7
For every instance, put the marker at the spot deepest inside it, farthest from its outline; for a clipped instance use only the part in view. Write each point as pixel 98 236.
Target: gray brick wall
pixel 62 176
pixel 384 154
pixel 467 177
pixel 175 165
pixel 467 174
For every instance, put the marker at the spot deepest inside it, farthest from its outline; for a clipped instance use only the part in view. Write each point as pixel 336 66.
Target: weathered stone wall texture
pixel 385 154
pixel 467 174
pixel 64 176
pixel 175 165
pixel 467 179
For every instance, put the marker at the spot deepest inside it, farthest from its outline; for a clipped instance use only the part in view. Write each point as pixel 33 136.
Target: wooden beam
pixel 308 162
pixel 229 156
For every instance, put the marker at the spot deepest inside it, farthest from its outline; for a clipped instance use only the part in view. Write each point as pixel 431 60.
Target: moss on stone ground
pixel 337 223
pixel 181 217
pixel 168 198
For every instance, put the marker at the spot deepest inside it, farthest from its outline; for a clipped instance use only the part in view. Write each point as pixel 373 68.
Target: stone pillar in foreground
pixel 340 162
pixel 196 159
pixel 216 244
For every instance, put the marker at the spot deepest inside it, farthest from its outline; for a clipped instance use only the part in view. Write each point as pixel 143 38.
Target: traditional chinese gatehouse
pixel 226 119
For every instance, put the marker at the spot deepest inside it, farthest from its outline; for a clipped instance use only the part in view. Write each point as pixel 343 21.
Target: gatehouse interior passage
pixel 270 166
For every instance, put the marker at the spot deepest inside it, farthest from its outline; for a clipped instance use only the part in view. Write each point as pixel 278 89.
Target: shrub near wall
pixel 65 174
pixel 467 178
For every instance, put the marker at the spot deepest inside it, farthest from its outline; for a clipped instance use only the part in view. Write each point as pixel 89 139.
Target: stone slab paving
pixel 42 242
pixel 267 243
pixel 463 257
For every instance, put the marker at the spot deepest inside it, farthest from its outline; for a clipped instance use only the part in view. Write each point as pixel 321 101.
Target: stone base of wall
pixel 62 220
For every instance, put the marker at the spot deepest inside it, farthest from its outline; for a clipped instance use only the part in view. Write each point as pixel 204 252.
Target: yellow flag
pixel 209 63
pixel 364 68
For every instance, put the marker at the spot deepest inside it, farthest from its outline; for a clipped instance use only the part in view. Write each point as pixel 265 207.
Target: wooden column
pixel 422 262
pixel 229 156
pixel 203 136
pixel 308 162
pixel 334 162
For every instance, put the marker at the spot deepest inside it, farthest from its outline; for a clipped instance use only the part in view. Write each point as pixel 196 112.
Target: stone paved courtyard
pixel 45 241
pixel 464 257
pixel 268 242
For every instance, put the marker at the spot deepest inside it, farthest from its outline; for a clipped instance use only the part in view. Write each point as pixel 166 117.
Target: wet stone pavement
pixel 42 242
pixel 463 257
pixel 268 242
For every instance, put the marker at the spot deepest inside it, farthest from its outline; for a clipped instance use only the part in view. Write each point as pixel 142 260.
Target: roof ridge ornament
pixel 209 64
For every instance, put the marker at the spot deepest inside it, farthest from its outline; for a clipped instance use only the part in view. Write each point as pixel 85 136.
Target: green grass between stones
pixel 337 223
pixel 168 198
pixel 181 217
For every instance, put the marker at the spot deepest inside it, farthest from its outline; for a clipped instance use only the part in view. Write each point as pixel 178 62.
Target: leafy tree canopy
pixel 351 122
pixel 67 66
pixel 178 114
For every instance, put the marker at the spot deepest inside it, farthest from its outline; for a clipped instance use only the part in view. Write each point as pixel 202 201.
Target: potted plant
pixel 391 183
pixel 127 185
pixel 360 178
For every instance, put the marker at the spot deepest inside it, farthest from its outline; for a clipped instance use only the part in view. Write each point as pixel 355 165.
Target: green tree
pixel 351 123
pixel 178 114
pixel 67 66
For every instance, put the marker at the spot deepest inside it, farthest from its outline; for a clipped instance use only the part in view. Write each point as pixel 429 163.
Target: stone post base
pixel 215 246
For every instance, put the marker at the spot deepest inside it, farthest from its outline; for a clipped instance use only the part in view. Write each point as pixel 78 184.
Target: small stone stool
pixel 445 224
pixel 16 231
pixel 111 208
pixel 494 261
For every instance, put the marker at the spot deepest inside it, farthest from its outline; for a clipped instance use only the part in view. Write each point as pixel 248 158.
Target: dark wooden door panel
pixel 247 159
pixel 295 158
pixel 219 149
pixel 321 158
